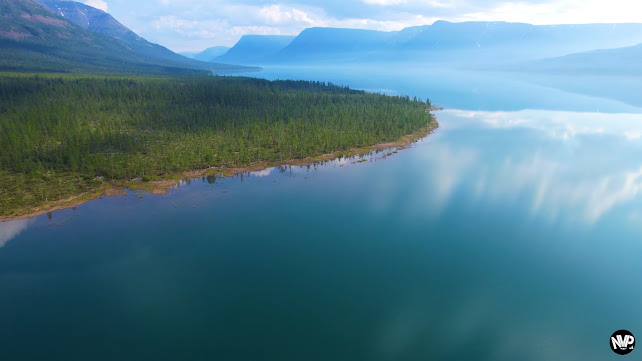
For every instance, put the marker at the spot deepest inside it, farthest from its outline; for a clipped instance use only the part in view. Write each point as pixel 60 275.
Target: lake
pixel 511 233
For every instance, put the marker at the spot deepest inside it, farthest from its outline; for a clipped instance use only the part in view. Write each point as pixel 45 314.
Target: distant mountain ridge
pixel 534 40
pixel 252 48
pixel 210 54
pixel 445 42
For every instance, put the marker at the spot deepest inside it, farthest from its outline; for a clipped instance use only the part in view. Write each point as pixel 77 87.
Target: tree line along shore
pixel 64 135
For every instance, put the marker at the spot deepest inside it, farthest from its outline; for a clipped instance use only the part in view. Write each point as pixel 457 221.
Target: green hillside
pixel 100 22
pixel 34 39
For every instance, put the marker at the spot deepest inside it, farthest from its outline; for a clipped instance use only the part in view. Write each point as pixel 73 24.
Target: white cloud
pixel 561 12
pixel 276 14
pixel 98 4
pixel 385 2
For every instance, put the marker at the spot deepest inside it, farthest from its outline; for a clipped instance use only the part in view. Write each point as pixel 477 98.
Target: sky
pixel 193 25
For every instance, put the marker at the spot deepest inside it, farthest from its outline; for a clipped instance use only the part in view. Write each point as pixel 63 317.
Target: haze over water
pixel 511 233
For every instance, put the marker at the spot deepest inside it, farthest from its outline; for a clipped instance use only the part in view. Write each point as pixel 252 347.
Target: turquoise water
pixel 511 233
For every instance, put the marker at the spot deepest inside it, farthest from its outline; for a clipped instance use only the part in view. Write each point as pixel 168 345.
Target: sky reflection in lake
pixel 578 166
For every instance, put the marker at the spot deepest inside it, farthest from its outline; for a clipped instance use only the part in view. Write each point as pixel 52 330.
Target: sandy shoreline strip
pixel 117 188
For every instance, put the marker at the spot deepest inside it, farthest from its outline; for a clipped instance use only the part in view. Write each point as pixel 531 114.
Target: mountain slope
pixel 100 22
pixel 252 48
pixel 91 19
pixel 34 39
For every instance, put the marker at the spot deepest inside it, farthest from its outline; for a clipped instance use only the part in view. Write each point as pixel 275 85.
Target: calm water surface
pixel 512 233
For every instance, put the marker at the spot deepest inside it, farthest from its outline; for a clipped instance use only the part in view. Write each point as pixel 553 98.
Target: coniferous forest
pixel 58 134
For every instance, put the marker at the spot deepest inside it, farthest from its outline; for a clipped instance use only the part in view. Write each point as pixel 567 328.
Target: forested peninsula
pixel 65 139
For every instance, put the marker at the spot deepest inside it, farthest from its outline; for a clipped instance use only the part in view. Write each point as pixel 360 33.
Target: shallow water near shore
pixel 511 233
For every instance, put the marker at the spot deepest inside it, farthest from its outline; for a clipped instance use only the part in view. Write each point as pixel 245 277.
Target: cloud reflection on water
pixel 578 174
pixel 262 173
pixel 9 230
pixel 559 124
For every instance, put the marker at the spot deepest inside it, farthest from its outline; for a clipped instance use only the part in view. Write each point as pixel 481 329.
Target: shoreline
pixel 115 188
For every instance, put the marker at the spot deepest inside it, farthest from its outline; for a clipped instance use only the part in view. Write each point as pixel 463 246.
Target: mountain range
pixel 66 36
pixel 467 43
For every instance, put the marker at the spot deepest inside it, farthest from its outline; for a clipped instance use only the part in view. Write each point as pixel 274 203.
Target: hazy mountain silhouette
pixel 252 48
pixel 619 61
pixel 210 53
pixel 472 43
